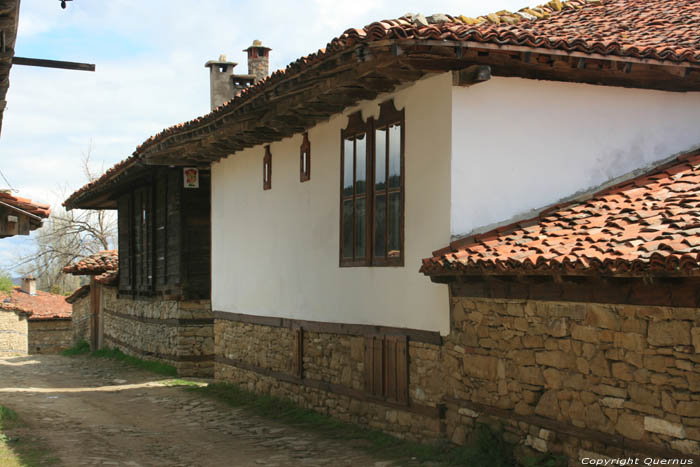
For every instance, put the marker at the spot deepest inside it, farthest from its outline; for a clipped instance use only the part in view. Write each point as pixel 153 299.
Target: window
pixel 372 189
pixel 386 368
pixel 305 159
pixel 267 169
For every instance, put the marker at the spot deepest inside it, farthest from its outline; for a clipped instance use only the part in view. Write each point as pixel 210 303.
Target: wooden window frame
pixel 267 169
pixel 388 115
pixel 305 159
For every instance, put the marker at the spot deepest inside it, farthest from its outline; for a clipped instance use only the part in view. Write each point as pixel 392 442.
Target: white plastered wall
pixel 522 144
pixel 275 252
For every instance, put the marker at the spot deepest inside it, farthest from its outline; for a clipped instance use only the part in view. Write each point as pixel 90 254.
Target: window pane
pixel 304 157
pixel 360 165
pixel 395 155
pixel 380 159
pixel 347 169
pixel 394 224
pixel 380 226
pixel 360 227
pixel 347 229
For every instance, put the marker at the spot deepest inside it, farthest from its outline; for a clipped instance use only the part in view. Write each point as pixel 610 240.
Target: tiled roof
pixel 79 293
pixel 42 306
pixel 37 209
pixel 634 29
pixel 657 29
pixel 108 278
pixel 647 225
pixel 98 263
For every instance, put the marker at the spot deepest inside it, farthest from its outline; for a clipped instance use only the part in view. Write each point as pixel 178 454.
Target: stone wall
pixel 13 333
pixel 581 379
pixel 81 319
pixel 261 359
pixel 180 333
pixel 50 335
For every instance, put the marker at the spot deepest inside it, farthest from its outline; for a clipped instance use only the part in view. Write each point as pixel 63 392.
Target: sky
pixel 150 73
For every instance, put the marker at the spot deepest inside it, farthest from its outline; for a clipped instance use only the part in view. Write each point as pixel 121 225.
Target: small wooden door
pixel 95 324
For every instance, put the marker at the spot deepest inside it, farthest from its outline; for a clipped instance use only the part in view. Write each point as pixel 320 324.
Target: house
pixel 33 321
pixel 19 216
pixel 88 301
pixel 411 134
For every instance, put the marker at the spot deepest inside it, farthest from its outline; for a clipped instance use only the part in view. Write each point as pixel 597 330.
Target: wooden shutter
pixel 396 369
pixel 386 367
pixel 298 353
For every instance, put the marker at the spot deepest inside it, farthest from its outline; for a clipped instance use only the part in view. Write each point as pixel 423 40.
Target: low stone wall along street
pixel 50 335
pixel 179 333
pixel 583 380
pixel 13 333
pixel 325 370
pixel 576 378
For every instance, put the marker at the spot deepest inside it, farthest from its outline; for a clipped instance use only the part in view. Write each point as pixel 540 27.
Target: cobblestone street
pixel 88 411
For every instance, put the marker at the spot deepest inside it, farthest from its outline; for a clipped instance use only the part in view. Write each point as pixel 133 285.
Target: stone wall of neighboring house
pixel 13 333
pixel 50 335
pixel 179 333
pixel 264 357
pixel 576 378
pixel 81 320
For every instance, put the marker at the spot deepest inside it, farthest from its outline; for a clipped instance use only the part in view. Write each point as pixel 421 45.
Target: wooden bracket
pixel 469 76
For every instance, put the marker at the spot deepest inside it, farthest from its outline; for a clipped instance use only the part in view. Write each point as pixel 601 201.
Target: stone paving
pixel 89 412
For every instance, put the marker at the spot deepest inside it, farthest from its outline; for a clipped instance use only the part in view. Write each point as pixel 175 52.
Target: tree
pixel 65 237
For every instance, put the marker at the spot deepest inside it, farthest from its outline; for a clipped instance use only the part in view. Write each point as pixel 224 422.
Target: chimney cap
pixel 220 62
pixel 256 45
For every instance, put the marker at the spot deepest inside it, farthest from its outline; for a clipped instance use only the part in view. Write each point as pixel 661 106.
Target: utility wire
pixel 8 183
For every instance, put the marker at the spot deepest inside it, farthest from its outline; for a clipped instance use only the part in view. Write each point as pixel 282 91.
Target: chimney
pixel 220 85
pixel 258 60
pixel 223 84
pixel 29 285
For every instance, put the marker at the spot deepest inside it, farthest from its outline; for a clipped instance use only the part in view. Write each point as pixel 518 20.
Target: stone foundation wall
pixel 13 333
pixel 261 359
pixel 581 379
pixel 81 320
pixel 180 333
pixel 50 335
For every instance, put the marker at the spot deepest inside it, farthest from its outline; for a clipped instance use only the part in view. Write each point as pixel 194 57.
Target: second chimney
pixel 258 60
pixel 29 285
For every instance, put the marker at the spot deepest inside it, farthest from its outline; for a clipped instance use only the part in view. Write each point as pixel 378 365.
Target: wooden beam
pixel 471 75
pixel 40 62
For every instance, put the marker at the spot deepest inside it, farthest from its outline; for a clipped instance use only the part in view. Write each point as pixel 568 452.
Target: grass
pixel 18 452
pixel 80 348
pixel 83 348
pixel 149 365
pixel 486 449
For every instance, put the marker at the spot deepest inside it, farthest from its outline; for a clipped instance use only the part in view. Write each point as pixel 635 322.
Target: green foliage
pixel 5 283
pixel 80 348
pixel 7 415
pixel 152 366
pixel 545 460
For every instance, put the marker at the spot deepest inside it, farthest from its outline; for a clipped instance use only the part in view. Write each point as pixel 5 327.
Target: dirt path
pixel 89 411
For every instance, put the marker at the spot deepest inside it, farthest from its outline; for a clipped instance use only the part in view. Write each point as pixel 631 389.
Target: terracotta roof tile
pixel 642 29
pixel 78 293
pixel 42 306
pixel 631 228
pixel 37 209
pixel 98 263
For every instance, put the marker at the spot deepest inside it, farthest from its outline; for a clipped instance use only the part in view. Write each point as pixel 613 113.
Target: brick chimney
pixel 258 60
pixel 223 84
pixel 29 285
